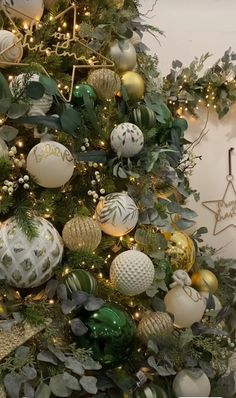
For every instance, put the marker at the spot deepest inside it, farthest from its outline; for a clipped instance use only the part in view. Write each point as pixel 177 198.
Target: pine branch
pixel 25 218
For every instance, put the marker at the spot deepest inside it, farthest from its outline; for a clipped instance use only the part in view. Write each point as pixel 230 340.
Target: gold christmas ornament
pixel 117 4
pixel 181 251
pixel 134 85
pixel 205 281
pixel 105 83
pixel 82 233
pixel 155 324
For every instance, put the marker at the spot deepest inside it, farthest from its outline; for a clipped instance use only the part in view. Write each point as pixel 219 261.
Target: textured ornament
pixel 82 233
pixel 51 164
pixel 105 82
pixel 117 214
pixel 217 302
pixel 13 50
pixel 127 140
pixel 3 149
pixel 155 324
pixel 150 391
pixel 181 251
pixel 110 334
pixel 25 263
pixel 205 281
pixel 144 117
pixel 132 272
pixel 188 383
pixel 80 280
pixel 80 90
pixel 186 304
pixel 134 85
pixel 123 53
pixel 25 10
pixel 117 4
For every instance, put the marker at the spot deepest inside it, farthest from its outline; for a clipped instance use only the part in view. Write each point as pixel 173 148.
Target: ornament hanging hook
pixel 230 176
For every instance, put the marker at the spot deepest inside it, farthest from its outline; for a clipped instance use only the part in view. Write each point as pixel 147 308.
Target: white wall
pixel 194 27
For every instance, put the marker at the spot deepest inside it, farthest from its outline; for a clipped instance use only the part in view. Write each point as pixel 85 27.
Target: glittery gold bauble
pixel 181 251
pixel 82 233
pixel 117 4
pixel 155 324
pixel 205 281
pixel 134 85
pixel 105 83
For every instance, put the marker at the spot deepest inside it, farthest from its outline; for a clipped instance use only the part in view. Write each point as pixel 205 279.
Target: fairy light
pixel 20 143
pixel 51 302
pixel 100 275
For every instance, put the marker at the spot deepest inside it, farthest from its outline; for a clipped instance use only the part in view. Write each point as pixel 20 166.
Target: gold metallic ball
pixel 117 4
pixel 155 324
pixel 134 84
pixel 205 281
pixel 82 233
pixel 181 251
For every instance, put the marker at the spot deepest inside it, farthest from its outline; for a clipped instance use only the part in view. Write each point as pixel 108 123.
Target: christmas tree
pixel 104 289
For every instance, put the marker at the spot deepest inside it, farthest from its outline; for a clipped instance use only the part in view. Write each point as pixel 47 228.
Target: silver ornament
pixel 123 53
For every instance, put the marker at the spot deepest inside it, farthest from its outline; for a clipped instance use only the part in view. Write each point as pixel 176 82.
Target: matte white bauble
pixel 123 53
pixel 217 302
pixel 186 304
pixel 3 148
pixel 14 49
pixel 132 272
pixel 25 10
pixel 29 263
pixel 117 214
pixel 51 164
pixel 191 384
pixel 127 140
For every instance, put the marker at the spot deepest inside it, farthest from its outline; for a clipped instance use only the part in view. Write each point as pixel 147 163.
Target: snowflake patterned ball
pixel 117 214
pixel 127 140
pixel 29 263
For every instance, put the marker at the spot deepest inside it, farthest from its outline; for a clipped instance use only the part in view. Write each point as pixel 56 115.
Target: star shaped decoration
pixel 224 209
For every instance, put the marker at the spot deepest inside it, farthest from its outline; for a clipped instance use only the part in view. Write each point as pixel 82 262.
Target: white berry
pixel 26 178
pixel 5 188
pixel 93 182
pixel 21 181
pixel 87 144
pixel 10 190
pixel 26 186
pixel 83 148
pixel 102 191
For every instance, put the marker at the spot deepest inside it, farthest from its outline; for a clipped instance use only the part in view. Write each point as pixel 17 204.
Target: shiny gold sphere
pixel 181 251
pixel 205 281
pixel 134 84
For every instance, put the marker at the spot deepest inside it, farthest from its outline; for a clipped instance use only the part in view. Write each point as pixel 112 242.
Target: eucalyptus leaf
pixel 17 110
pixel 5 104
pixel 70 121
pixel 57 352
pixel 4 88
pixel 13 382
pixel 35 90
pixel 94 303
pixel 43 391
pixel 61 292
pixel 152 362
pixel 22 352
pixel 80 298
pixel 183 224
pixel 51 288
pixel 185 337
pixel 89 384
pixel 67 306
pixel 75 366
pixel 78 327
pixel 8 133
pixel 28 390
pixel 71 382
pixel 90 364
pixel 49 85
pixel 46 356
pixel 29 372
pixel 58 387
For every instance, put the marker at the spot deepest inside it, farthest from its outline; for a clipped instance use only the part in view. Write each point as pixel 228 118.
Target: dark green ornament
pixel 110 334
pixel 166 267
pixel 80 280
pixel 144 117
pixel 150 391
pixel 80 90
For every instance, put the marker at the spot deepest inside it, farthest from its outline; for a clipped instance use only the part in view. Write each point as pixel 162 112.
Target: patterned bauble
pixel 216 301
pixel 3 149
pixel 14 49
pixel 134 85
pixel 82 233
pixel 105 82
pixel 117 4
pixel 205 281
pixel 110 334
pixel 155 324
pixel 132 272
pixel 144 117
pixel 123 53
pixel 186 304
pixel 80 280
pixel 51 164
pixel 80 91
pixel 150 391
pixel 127 140
pixel 29 263
pixel 191 383
pixel 181 251
pixel 117 214
pixel 25 10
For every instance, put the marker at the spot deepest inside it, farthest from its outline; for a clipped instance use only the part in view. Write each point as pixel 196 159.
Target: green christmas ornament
pixel 166 267
pixel 150 391
pixel 110 334
pixel 80 280
pixel 144 117
pixel 80 90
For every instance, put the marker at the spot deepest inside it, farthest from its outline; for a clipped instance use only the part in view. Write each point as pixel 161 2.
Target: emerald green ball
pixel 81 89
pixel 80 280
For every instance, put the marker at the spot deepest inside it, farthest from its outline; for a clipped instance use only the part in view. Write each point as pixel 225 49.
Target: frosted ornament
pixel 82 233
pixel 132 272
pixel 117 214
pixel 13 50
pixel 189 384
pixel 51 164
pixel 25 10
pixel 127 140
pixel 123 53
pixel 29 263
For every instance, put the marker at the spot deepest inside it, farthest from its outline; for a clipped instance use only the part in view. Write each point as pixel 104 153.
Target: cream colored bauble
pixel 14 49
pixel 29 263
pixel 191 384
pixel 82 233
pixel 217 302
pixel 3 149
pixel 186 304
pixel 18 86
pixel 25 10
pixel 132 272
pixel 105 82
pixel 155 324
pixel 123 53
pixel 51 164
pixel 127 140
pixel 117 214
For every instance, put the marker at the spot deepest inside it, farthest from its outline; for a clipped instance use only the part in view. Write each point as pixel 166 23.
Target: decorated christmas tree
pixel 105 290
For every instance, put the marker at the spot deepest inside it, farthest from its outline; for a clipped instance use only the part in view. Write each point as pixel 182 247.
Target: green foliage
pixel 35 314
pixel 25 218
pixel 84 259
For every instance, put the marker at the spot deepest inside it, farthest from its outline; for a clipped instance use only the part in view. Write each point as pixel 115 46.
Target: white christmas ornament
pixel 3 148
pixel 14 50
pixel 51 164
pixel 191 384
pixel 29 263
pixel 123 54
pixel 217 302
pixel 25 10
pixel 117 214
pixel 132 272
pixel 186 304
pixel 127 140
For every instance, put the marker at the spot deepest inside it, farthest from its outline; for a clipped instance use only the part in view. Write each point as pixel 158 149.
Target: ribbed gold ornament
pixel 155 324
pixel 82 233
pixel 105 83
